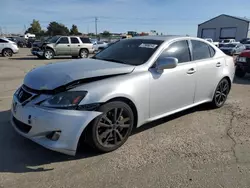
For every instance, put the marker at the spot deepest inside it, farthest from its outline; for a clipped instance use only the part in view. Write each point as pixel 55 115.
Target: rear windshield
pixel 85 40
pixel 229 45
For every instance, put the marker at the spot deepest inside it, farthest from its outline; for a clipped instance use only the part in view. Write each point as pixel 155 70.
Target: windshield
pixel 225 41
pixel 131 51
pixel 53 39
pixel 229 45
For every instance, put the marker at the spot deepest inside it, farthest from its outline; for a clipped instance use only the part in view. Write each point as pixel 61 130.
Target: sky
pixel 178 17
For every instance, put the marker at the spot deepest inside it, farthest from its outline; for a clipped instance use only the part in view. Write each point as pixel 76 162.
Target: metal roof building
pixel 225 27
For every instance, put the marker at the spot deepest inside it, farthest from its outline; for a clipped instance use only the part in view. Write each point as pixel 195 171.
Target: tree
pixel 35 27
pixel 74 30
pixel 55 28
pixel 106 34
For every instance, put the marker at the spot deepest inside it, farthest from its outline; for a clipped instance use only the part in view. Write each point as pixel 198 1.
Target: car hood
pixel 54 75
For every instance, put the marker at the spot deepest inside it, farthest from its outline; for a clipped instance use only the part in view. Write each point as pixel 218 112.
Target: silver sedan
pixel 134 81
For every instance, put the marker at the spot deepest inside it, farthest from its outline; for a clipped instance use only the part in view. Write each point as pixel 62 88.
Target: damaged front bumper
pixel 37 52
pixel 56 129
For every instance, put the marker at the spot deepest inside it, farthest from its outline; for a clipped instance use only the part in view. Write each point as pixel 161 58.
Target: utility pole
pixel 96 26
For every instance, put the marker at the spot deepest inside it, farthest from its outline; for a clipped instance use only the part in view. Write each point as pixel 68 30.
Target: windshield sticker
pixel 153 46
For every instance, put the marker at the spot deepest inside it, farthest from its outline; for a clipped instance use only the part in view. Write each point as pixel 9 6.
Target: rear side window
pixel 64 40
pixel 179 50
pixel 3 41
pixel 212 51
pixel 201 50
pixel 85 40
pixel 74 40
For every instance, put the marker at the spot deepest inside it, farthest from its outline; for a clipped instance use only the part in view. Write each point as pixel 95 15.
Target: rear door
pixel 63 46
pixel 209 70
pixel 75 46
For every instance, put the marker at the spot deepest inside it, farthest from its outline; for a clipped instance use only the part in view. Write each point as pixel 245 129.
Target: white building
pixel 224 27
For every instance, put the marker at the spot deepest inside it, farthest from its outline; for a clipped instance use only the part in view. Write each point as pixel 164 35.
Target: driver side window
pixel 179 50
pixel 63 40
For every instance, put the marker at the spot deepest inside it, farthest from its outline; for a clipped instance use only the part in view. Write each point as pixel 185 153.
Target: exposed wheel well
pixel 84 49
pixel 131 105
pixel 49 48
pixel 229 81
pixel 7 49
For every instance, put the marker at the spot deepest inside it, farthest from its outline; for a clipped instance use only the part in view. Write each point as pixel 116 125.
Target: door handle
pixel 78 45
pixel 191 71
pixel 218 64
pixel 68 45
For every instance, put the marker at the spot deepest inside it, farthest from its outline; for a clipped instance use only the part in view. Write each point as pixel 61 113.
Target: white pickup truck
pixel 211 40
pixel 226 41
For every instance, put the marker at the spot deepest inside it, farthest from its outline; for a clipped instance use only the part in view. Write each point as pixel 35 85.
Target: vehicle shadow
pixel 243 81
pixel 20 155
pixel 150 125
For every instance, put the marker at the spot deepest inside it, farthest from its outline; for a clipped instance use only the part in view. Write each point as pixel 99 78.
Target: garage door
pixel 228 32
pixel 208 33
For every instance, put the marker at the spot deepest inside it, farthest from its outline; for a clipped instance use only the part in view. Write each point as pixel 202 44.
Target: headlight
pixel 65 99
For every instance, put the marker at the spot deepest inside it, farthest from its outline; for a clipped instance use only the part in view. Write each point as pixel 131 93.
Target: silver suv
pixel 63 46
pixel 7 47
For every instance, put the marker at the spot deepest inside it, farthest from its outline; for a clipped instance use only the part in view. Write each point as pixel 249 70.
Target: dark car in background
pixel 233 48
pixel 243 64
pixel 20 41
pixel 247 44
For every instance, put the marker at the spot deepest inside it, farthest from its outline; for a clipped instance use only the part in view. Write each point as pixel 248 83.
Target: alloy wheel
pixel 221 92
pixel 48 54
pixel 84 54
pixel 7 53
pixel 113 127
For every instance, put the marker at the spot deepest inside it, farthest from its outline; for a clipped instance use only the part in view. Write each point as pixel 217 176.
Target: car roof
pixel 164 37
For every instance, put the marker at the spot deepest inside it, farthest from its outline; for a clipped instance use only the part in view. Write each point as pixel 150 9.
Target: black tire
pixel 84 53
pixel 7 53
pixel 103 129
pixel 49 54
pixel 74 57
pixel 221 93
pixel 239 72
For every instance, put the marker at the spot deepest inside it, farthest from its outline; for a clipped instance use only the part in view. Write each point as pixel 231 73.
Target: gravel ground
pixel 195 148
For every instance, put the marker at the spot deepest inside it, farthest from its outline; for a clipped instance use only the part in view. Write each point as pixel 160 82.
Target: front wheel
pixel 84 53
pixel 112 128
pixel 221 93
pixel 7 53
pixel 49 54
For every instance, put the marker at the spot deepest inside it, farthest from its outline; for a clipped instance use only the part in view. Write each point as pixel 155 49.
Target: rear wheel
pixel 221 93
pixel 84 53
pixel 111 129
pixel 240 72
pixel 49 54
pixel 7 53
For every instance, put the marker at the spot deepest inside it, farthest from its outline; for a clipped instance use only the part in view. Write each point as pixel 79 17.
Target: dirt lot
pixel 196 148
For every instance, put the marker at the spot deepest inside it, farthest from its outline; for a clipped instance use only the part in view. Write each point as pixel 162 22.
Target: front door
pixel 173 89
pixel 63 46
pixel 75 46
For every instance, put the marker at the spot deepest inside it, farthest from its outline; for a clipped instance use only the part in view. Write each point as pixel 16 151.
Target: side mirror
pixel 166 63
